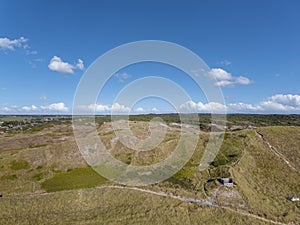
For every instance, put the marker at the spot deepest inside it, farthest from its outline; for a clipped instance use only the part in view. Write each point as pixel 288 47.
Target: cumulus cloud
pixel 242 80
pixel 103 108
pixel 203 107
pixel 219 74
pixel 225 79
pixel 99 107
pixel 242 107
pixel 116 107
pixel 80 64
pixel 224 83
pixel 31 108
pixel 58 65
pixel 8 44
pixel 279 103
pixel 55 108
pixel 139 109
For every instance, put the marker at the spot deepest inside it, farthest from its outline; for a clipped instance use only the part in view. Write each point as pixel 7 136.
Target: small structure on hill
pixel 294 199
pixel 226 182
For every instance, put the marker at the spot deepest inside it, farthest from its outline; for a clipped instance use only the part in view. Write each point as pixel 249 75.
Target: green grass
pixel 9 177
pixel 38 176
pixel 286 140
pixel 19 165
pixel 262 179
pixel 74 179
pixel 112 206
pixel 39 167
pixel 231 149
pixel 266 181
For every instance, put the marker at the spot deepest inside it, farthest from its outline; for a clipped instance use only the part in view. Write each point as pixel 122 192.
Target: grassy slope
pixel 111 206
pixel 266 181
pixel 263 179
pixel 27 159
pixel 286 140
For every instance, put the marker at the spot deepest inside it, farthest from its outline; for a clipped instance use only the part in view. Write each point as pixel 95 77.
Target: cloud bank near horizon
pixel 280 103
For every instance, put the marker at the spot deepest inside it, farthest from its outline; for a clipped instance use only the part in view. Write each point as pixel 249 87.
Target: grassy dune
pixel 49 161
pixel 266 181
pixel 286 140
pixel 111 206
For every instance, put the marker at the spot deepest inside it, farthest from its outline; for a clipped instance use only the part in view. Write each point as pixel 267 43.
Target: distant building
pixel 226 182
pixel 294 199
pixel 251 127
pixel 233 128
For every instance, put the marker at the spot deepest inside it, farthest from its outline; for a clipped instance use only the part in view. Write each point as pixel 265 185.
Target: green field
pixel 73 179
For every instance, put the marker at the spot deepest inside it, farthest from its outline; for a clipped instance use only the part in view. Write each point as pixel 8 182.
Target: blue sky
pixel 252 48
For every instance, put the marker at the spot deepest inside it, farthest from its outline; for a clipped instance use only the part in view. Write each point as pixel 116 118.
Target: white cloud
pixel 56 64
pixel 116 107
pixel 240 107
pixel 103 108
pixel 55 108
pixel 275 104
pixel 203 107
pixel 139 109
pixel 80 64
pixel 242 80
pixel 289 100
pixel 189 105
pixel 219 74
pixel 280 103
pixel 97 107
pixel 7 44
pixel 224 83
pixel 225 79
pixel 122 76
pixel 31 108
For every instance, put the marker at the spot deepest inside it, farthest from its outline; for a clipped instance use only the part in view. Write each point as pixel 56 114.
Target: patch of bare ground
pixel 230 196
